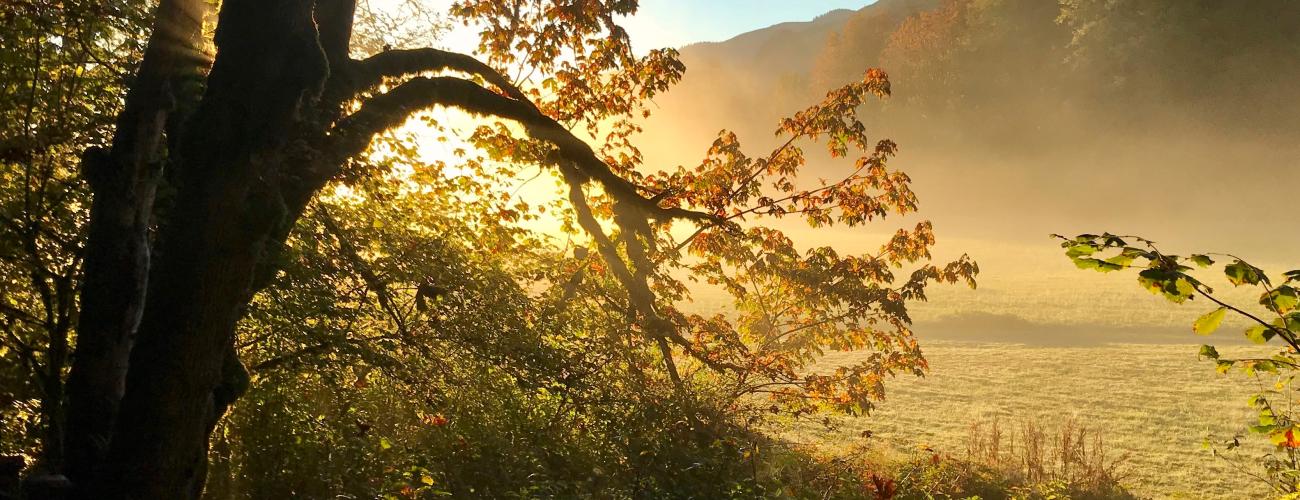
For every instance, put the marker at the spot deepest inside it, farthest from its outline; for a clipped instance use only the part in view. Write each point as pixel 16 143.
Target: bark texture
pixel 124 181
pixel 230 162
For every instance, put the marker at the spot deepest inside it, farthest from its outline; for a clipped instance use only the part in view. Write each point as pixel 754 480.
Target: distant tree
pixel 858 46
pixel 1138 52
pixel 927 51
pixel 1001 66
pixel 827 68
pixel 974 57
pixel 1276 318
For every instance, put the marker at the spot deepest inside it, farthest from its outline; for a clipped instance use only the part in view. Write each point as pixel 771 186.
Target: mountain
pixel 1173 119
pixel 1104 115
pixel 789 44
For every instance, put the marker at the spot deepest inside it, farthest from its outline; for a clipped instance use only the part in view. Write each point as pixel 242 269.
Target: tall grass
pixel 1064 453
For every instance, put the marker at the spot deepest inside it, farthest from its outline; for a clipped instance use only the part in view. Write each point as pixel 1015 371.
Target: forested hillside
pixel 1003 105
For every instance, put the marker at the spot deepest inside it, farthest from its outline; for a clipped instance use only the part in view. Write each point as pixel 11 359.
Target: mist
pixel 1020 119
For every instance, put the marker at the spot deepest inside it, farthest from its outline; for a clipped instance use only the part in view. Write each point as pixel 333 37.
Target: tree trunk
pixel 230 162
pixel 124 182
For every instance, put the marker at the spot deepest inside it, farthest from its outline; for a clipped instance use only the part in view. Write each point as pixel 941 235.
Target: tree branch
pixel 371 71
pixel 388 110
pixel 372 280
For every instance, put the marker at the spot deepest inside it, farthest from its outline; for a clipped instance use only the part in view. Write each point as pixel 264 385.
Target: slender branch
pixel 372 280
pixel 1263 360
pixel 1281 332
pixel 21 315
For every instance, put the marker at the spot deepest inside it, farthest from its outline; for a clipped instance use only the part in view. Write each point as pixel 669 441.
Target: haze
pixel 1020 124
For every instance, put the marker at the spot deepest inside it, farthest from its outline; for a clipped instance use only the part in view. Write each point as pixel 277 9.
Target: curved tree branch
pixel 352 135
pixel 370 72
pixel 577 161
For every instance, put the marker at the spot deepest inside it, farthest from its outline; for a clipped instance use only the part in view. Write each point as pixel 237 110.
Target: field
pixel 1043 342
pixel 1154 404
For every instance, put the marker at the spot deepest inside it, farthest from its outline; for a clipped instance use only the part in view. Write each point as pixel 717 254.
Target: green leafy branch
pixel 1171 276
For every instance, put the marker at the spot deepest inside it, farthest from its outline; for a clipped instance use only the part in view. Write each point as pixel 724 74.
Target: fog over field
pixel 1015 123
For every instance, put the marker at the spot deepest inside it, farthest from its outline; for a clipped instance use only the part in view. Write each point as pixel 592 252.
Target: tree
pixel 245 158
pixel 215 159
pixel 1144 52
pixel 858 46
pixel 923 52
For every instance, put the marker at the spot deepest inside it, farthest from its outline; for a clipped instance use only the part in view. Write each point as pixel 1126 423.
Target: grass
pixel 1042 342
pixel 1153 405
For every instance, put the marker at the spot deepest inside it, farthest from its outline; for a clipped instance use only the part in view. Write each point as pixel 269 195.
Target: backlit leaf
pixel 1260 334
pixel 1210 322
pixel 1241 273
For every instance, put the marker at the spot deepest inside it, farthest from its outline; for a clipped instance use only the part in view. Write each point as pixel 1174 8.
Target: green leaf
pixel 1175 286
pixel 1085 263
pixel 1121 260
pixel 385 444
pixel 1290 322
pixel 1208 351
pixel 1281 300
pixel 1241 273
pixel 1202 260
pixel 1210 322
pixel 1260 334
pixel 1292 275
pixel 1153 279
pixel 1080 250
pixel 1180 290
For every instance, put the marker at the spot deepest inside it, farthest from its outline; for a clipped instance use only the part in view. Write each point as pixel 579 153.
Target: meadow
pixel 1154 405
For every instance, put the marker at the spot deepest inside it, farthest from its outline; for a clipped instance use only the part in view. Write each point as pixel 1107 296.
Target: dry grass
pixel 1030 452
pixel 1154 405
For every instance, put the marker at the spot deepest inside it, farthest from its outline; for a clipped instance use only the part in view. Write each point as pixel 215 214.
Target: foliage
pixel 791 304
pixel 421 313
pixel 923 51
pixel 1276 317
pixel 63 67
pixel 862 471
pixel 1066 458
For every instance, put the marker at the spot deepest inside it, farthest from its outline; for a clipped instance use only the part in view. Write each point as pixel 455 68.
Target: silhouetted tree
pixel 245 145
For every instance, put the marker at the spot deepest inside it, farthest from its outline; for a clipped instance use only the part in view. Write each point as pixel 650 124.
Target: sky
pixel 674 23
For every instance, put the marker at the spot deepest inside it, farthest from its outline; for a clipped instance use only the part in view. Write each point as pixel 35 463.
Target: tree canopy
pixel 238 204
